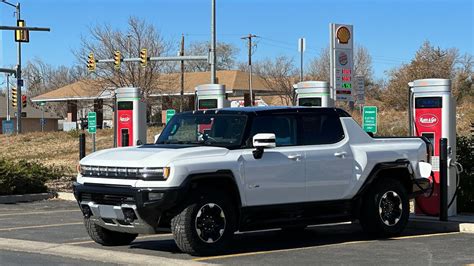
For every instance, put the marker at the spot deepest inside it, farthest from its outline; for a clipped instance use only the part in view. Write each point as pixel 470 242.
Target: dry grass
pixel 395 123
pixel 56 148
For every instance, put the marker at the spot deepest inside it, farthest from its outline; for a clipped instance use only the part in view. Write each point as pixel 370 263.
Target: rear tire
pixel 107 237
pixel 385 209
pixel 206 225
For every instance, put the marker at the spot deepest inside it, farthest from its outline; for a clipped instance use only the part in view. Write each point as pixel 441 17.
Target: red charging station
pixel 433 115
pixel 131 117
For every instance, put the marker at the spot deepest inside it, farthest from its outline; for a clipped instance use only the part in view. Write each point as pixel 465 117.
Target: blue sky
pixel 392 30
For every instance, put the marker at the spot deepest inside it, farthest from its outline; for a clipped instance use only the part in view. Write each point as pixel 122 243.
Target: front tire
pixel 205 226
pixel 106 237
pixel 385 209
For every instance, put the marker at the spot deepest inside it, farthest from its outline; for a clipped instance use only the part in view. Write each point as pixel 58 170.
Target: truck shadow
pixel 315 236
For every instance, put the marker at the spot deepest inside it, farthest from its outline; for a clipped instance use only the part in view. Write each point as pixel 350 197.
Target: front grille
pixel 106 199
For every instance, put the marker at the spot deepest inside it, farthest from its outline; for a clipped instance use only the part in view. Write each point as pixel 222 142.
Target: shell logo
pixel 428 120
pixel 124 118
pixel 343 35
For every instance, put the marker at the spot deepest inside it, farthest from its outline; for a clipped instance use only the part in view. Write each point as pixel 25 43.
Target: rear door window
pixel 321 129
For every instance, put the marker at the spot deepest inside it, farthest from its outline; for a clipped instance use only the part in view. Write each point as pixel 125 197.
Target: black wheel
pixel 385 209
pixel 205 226
pixel 106 237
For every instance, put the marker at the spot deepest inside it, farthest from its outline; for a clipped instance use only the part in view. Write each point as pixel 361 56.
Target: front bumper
pixel 125 209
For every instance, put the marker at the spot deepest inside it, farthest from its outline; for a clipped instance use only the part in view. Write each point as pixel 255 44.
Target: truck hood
pixel 149 155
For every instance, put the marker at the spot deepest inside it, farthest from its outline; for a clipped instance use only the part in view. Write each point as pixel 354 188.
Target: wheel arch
pixel 398 170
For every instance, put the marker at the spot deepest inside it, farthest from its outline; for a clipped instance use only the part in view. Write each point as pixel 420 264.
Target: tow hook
pixel 129 215
pixel 86 210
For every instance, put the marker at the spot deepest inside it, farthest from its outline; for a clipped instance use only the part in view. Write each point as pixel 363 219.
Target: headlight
pixel 147 173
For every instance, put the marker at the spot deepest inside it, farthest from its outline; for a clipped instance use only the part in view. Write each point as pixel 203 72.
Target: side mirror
pixel 262 141
pixel 156 138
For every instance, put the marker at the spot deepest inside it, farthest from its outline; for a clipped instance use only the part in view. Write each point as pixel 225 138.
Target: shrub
pixel 23 177
pixel 465 156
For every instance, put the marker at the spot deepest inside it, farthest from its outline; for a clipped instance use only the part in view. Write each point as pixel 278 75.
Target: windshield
pixel 213 130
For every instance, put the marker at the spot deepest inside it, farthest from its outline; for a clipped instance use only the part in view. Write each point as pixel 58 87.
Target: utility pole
pixel 301 48
pixel 213 43
pixel 19 81
pixel 8 97
pixel 181 53
pixel 249 38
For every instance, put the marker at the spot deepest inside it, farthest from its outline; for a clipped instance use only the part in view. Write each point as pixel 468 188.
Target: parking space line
pixel 140 237
pixel 87 253
pixel 421 236
pixel 314 247
pixel 38 226
pixel 42 212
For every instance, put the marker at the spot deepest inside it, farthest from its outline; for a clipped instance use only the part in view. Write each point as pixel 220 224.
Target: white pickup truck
pixel 215 172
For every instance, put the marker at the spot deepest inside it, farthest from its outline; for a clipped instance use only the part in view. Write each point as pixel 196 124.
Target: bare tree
pixel 41 77
pixel 104 40
pixel 319 67
pixel 429 62
pixel 225 52
pixel 279 74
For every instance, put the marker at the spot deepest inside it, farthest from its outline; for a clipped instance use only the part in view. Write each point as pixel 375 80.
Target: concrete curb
pixel 8 199
pixel 66 196
pixel 449 226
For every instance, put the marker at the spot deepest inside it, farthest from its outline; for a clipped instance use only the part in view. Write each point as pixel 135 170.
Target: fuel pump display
pixel 131 117
pixel 433 115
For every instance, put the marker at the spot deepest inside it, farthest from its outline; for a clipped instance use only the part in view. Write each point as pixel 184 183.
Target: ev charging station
pixel 312 93
pixel 211 96
pixel 433 115
pixel 131 117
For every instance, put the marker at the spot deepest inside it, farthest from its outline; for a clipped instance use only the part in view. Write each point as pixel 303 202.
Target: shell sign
pixel 343 35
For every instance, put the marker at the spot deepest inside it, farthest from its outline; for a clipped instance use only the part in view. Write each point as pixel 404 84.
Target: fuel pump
pixel 131 117
pixel 432 114
pixel 312 93
pixel 211 96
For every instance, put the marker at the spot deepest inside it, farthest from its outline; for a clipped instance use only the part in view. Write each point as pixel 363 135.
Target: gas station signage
pixel 342 62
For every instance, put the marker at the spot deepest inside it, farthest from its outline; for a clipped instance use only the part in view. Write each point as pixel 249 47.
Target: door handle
pixel 295 157
pixel 340 154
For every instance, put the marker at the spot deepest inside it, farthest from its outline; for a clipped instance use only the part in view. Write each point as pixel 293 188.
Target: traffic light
pixel 117 59
pixel 23 101
pixel 143 57
pixel 91 62
pixel 14 97
pixel 21 35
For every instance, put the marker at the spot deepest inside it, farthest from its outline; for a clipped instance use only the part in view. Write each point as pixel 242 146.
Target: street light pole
pixel 19 81
pixel 18 71
pixel 213 42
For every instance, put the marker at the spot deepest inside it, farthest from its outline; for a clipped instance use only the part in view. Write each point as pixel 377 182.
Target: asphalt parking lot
pixel 51 232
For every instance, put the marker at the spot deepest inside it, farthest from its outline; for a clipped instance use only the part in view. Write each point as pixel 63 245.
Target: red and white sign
pixel 428 120
pixel 125 121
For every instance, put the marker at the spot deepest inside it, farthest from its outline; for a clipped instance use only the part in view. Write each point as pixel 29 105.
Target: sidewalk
pixel 459 223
